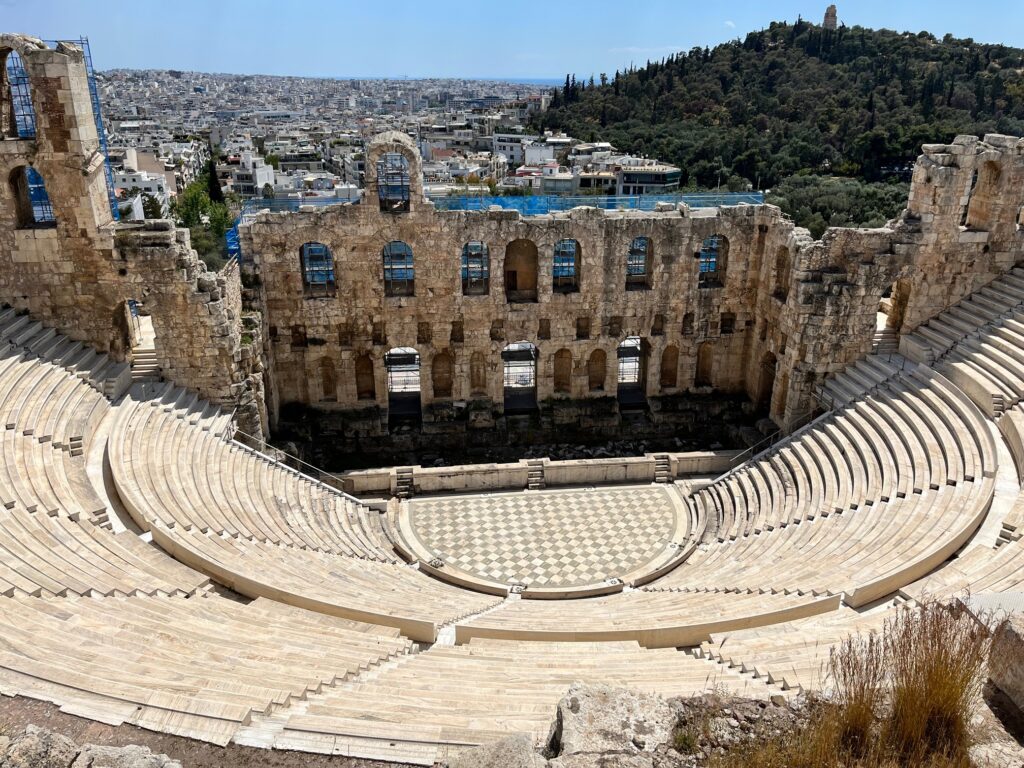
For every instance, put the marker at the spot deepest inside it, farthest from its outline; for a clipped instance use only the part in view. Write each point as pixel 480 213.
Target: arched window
pixel 520 376
pixel 669 367
pixel 632 371
pixel 317 264
pixel 597 369
pixel 366 385
pixel 783 273
pixel 328 380
pixel 638 264
pixel 563 371
pixel 476 269
pixel 565 267
pixel 399 273
pixel 393 182
pixel 521 271
pixel 17 118
pixel 441 374
pixel 478 373
pixel 31 202
pixel 705 363
pixel 403 375
pixel 712 258
pixel 983 196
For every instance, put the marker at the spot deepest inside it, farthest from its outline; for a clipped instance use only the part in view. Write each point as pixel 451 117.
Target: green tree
pixel 213 190
pixel 273 160
pixel 151 207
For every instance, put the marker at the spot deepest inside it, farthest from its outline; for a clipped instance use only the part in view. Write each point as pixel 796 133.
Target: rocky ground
pixel 153 750
pixel 593 727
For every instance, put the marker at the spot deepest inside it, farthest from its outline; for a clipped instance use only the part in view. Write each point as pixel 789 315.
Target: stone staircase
pixel 404 483
pixel 535 475
pixel 144 364
pixel 662 468
pixel 885 342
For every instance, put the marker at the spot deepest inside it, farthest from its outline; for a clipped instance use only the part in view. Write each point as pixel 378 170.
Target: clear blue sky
pixel 453 38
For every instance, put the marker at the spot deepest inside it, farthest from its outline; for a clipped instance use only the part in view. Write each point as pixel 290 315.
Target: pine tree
pixel 213 189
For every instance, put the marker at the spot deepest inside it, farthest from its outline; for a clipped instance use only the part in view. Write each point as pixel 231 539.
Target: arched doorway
pixel 393 182
pixel 441 374
pixel 632 372
pixel 521 271
pixel 670 367
pixel 563 371
pixel 366 385
pixel 17 116
pixel 520 377
pixel 328 381
pixel 889 318
pixel 597 370
pixel 705 365
pixel 403 374
pixel 766 380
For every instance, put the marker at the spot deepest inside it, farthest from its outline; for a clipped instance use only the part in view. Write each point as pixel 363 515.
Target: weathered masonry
pixel 393 312
pixel 391 308
pixel 65 259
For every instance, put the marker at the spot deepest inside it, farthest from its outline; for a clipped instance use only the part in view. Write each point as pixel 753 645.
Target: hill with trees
pixel 798 99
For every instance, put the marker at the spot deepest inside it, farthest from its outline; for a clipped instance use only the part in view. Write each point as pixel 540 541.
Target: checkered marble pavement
pixel 547 538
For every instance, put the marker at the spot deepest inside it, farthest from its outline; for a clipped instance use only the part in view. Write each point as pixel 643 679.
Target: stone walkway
pixel 547 538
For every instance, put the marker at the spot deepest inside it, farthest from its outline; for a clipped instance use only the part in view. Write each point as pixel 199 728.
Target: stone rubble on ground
pixel 39 748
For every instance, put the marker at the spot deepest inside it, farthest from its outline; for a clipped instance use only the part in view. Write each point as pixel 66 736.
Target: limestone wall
pixel 78 273
pixel 787 311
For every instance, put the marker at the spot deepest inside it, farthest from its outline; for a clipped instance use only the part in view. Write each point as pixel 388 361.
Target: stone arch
pixel 366 384
pixel 632 354
pixel 399 269
pixel 476 269
pixel 597 370
pixel 478 373
pixel 670 367
pixel 783 273
pixel 17 115
pixel 393 172
pixel 705 365
pixel 985 194
pixel 563 371
pixel 442 373
pixel 521 271
pixel 639 263
pixel 520 376
pixel 328 380
pixel 565 266
pixel 766 380
pixel 712 261
pixel 32 206
pixel 393 192
pixel 402 365
pixel 317 265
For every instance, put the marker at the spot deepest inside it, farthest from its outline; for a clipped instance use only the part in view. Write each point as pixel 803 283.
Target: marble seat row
pixel 795 655
pixel 172 466
pixel 44 555
pixel 434 704
pixel 655 619
pixel 363 590
pixel 198 667
pixel 862 502
pixel 982 309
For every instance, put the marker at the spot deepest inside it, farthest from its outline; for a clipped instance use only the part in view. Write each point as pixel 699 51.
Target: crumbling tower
pixel 830 17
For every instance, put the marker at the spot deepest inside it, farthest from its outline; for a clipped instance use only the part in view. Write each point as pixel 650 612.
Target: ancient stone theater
pixel 160 568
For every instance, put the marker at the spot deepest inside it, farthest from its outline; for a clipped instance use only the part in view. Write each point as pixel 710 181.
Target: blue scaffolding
pixel 21 97
pixel 97 113
pixel 42 210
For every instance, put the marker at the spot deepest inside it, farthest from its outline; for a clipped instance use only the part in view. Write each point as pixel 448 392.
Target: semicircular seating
pixel 331 643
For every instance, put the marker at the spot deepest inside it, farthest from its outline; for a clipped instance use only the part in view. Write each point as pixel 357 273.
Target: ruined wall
pixel 787 311
pixel 78 273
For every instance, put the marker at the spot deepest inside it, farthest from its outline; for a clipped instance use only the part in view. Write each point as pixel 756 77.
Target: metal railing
pixel 538 205
pixel 316 478
pixel 761 448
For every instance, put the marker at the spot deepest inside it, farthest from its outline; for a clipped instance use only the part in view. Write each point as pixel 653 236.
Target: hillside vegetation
pixel 799 99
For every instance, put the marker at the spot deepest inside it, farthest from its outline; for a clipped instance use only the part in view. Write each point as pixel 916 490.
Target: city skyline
pixel 453 38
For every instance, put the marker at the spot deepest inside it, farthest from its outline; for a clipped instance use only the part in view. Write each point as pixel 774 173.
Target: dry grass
pixel 900 699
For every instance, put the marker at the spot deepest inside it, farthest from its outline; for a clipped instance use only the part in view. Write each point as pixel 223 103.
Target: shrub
pixel 901 699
